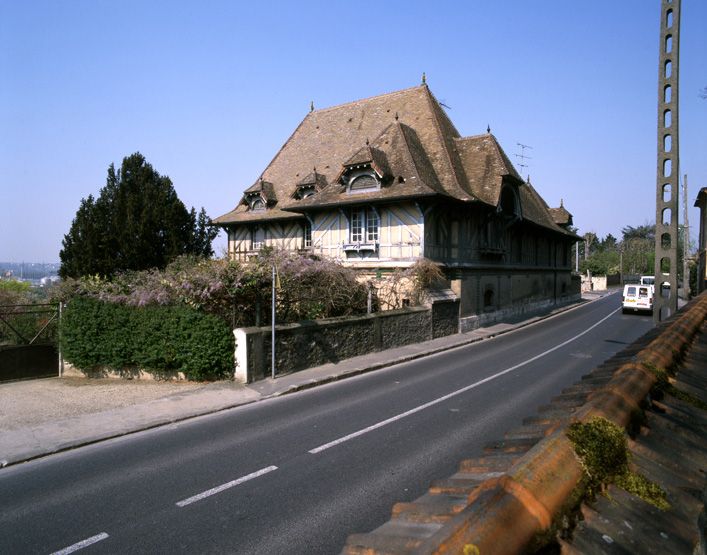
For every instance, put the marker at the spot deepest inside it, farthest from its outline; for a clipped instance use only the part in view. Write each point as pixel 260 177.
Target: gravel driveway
pixel 32 402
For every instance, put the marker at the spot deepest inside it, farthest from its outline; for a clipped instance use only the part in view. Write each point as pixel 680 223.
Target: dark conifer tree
pixel 136 223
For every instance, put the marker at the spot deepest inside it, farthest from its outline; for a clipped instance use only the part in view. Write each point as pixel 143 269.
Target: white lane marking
pixel 219 489
pixel 82 544
pixel 454 393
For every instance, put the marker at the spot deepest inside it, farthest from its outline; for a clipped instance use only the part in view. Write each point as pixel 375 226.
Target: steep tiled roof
pixel 315 178
pixel 486 165
pixel 560 215
pixel 329 137
pixel 265 188
pixel 408 139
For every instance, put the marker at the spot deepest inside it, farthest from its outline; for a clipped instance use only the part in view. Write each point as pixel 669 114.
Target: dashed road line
pixel 222 487
pixel 454 393
pixel 82 544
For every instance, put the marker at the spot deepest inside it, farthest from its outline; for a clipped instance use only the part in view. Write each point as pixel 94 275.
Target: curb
pixel 505 513
pixel 37 453
pixel 433 351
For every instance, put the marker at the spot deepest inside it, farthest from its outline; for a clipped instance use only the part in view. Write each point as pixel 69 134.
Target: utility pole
pixel 665 301
pixel 685 245
pixel 272 320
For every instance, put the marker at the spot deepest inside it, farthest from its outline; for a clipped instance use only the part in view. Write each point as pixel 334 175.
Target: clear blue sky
pixel 208 91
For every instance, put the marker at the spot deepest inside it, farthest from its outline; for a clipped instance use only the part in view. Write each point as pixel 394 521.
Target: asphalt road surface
pixel 299 473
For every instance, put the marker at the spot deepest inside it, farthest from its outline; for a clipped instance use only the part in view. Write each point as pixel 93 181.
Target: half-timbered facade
pixel 381 182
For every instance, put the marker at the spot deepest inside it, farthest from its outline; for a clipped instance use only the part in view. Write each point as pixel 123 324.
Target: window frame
pixel 307 235
pixel 358 174
pixel 364 225
pixel 363 229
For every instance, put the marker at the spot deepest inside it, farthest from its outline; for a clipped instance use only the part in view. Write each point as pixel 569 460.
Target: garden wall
pixel 312 343
pixel 515 312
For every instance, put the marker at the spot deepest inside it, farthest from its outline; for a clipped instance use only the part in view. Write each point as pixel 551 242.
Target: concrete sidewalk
pixel 51 437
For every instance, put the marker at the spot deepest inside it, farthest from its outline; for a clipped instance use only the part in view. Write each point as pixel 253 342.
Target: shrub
pixel 239 293
pixel 408 286
pixel 161 339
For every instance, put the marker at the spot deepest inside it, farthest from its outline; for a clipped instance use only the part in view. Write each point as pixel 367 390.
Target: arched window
pixel 362 181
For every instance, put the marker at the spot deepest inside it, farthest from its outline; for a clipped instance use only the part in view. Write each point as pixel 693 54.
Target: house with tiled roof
pixel 381 182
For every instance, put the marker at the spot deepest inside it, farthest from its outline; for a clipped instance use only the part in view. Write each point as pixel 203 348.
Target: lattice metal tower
pixel 668 172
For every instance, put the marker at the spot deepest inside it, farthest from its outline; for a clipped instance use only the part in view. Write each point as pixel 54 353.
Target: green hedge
pixel 160 339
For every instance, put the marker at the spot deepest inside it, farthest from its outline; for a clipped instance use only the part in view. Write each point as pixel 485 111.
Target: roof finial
pixel 311 105
pixel 562 203
pixel 488 128
pixel 424 78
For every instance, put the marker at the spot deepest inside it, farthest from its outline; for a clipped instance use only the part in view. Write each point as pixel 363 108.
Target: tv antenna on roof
pixel 522 165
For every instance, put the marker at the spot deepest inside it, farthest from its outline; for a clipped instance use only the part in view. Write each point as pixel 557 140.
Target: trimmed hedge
pixel 157 339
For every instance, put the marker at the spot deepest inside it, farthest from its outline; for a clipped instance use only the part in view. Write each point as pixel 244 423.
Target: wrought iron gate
pixel 29 341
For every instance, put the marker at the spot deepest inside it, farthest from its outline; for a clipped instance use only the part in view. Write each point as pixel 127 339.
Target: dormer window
pixel 259 196
pixel 509 204
pixel 366 171
pixel 304 191
pixel 362 181
pixel 309 185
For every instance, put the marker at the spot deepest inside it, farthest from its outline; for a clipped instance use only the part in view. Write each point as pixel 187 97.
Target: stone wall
pixel 308 344
pixel 485 290
pixel 593 283
pixel 515 312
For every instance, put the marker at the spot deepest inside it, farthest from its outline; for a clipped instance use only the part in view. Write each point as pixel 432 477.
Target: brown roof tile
pixel 408 139
pixel 560 215
pixel 486 165
pixel 327 138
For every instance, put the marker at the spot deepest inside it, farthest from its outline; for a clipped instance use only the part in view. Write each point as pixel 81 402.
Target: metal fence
pixel 29 341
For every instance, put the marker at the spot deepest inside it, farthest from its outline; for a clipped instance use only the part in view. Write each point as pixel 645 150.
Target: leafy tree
pixel 136 223
pixel 638 248
pixel 589 239
pixel 609 243
pixel 645 231
pixel 601 262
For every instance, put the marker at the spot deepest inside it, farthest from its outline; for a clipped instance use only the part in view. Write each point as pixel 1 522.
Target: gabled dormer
pixel 561 215
pixel 509 205
pixel 311 184
pixel 367 170
pixel 259 196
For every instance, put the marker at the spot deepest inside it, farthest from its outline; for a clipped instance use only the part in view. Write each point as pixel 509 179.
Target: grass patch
pixel 663 386
pixel 686 397
pixel 603 450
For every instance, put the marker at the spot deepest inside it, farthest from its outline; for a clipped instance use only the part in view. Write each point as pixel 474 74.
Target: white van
pixel 638 297
pixel 648 280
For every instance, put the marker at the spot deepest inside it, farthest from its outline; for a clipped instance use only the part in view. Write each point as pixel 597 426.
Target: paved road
pixel 299 473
